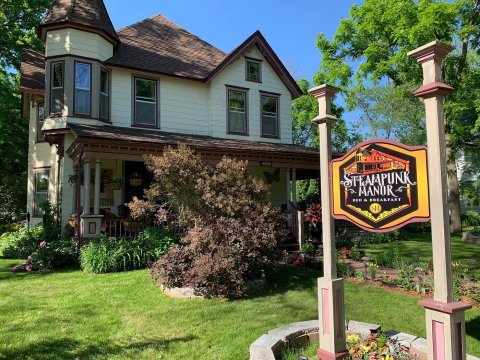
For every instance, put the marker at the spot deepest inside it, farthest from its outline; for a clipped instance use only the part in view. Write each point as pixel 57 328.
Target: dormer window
pixel 104 93
pixel 56 90
pixel 83 75
pixel 253 70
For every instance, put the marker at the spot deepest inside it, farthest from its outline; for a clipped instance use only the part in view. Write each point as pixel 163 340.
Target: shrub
pixel 219 258
pixel 344 270
pixel 232 231
pixel 356 253
pixel 406 277
pixel 107 254
pixel 389 258
pixel 22 243
pixel 8 228
pixel 471 218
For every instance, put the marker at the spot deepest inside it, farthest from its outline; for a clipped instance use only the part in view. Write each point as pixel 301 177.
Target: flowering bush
pixel 377 346
pixel 344 252
pixel 313 215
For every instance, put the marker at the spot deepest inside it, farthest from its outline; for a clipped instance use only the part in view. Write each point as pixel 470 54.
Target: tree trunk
pixel 453 187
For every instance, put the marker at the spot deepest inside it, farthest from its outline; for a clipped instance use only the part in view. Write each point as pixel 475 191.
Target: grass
pixel 72 315
pixel 421 244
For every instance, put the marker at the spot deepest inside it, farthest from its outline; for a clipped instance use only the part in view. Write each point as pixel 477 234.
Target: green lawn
pixel 72 315
pixel 421 244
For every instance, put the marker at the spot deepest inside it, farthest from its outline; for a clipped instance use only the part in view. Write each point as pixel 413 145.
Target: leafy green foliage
pixel 18 20
pixel 471 218
pixel 107 254
pixel 371 46
pixel 22 243
pixel 391 257
pixel 406 277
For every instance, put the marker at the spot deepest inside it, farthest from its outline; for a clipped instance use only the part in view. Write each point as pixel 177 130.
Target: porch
pixel 109 161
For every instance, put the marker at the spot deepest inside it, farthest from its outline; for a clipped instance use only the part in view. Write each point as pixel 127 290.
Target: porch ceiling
pixel 133 143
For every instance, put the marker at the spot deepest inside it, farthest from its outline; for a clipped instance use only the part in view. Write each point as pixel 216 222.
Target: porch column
pixel 330 288
pixel 86 187
pixel 294 186
pixel 96 201
pixel 445 319
pixel 289 207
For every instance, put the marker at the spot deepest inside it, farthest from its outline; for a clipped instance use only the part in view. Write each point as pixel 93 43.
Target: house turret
pixel 79 36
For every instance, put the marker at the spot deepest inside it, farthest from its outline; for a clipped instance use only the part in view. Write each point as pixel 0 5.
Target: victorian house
pixel 99 99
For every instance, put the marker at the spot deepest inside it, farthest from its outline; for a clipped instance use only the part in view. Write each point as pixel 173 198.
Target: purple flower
pixel 29 267
pixel 30 258
pixel 43 244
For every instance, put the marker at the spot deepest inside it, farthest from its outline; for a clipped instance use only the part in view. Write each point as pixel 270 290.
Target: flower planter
pixel 136 182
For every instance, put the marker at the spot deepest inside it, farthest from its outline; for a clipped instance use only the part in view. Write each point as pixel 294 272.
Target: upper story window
pixel 253 70
pixel 41 190
pixel 145 113
pixel 40 120
pixel 83 75
pixel 237 112
pixel 104 94
pixel 56 88
pixel 269 104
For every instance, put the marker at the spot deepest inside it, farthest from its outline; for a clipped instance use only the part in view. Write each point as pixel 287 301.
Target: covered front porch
pixel 111 171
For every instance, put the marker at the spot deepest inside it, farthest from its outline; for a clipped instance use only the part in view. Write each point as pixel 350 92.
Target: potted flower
pixel 313 217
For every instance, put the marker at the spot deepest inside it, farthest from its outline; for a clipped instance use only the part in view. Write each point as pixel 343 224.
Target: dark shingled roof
pixel 134 135
pixel 159 45
pixel 33 71
pixel 85 13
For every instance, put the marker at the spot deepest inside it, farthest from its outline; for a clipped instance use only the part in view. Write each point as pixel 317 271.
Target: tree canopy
pixel 370 48
pixel 18 21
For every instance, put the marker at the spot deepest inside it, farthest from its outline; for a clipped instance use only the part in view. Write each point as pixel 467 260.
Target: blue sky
pixel 290 27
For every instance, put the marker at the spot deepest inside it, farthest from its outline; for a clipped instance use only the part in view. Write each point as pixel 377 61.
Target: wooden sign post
pixel 331 306
pixel 445 318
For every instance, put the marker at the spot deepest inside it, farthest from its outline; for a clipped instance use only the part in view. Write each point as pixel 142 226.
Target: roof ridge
pixel 173 24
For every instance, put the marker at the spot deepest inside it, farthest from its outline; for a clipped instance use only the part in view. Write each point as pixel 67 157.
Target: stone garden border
pixel 270 346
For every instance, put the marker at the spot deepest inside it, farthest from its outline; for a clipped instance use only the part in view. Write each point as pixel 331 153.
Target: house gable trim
pixel 257 39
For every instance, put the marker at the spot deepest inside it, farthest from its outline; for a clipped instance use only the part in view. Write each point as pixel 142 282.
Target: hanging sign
pixel 381 185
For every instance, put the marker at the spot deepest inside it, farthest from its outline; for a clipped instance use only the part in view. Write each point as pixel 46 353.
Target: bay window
pixel 104 93
pixel 56 87
pixel 83 76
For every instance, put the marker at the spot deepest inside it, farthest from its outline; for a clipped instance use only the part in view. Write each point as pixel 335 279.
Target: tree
pixel 304 109
pixel 391 112
pixel 376 38
pixel 18 20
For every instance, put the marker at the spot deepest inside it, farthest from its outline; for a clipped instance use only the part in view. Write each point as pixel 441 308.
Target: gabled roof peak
pixel 88 15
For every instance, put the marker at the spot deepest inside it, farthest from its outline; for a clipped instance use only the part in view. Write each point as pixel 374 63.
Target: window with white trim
pixel 56 87
pixel 269 116
pixel 145 102
pixel 82 88
pixel 237 112
pixel 104 94
pixel 40 195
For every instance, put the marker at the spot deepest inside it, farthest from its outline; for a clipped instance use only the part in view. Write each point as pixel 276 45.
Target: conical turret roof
pixel 88 15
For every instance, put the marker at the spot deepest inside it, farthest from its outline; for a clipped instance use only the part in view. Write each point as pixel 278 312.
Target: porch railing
pixel 121 228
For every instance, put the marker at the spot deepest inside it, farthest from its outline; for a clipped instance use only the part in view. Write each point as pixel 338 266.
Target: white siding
pixel 39 155
pixel 234 75
pixel 183 104
pixel 77 42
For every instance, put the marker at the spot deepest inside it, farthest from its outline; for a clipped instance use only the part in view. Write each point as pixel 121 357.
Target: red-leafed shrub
pixel 232 231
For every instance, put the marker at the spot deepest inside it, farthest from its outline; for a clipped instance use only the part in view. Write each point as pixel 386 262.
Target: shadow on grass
pixel 473 327
pixel 67 348
pixel 285 278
